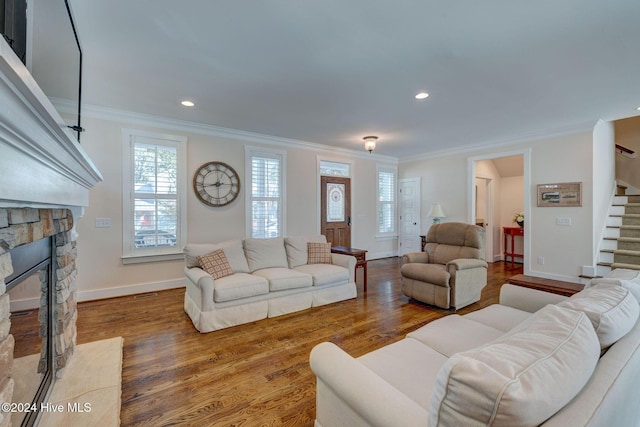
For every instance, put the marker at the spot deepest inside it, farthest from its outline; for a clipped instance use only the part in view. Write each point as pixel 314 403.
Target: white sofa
pixel 533 359
pixel 271 277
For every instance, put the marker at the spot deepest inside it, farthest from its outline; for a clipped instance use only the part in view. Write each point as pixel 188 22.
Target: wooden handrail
pixel 624 149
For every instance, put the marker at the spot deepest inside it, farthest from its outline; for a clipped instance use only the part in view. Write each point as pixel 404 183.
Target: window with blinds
pixel 266 197
pixel 153 199
pixel 386 200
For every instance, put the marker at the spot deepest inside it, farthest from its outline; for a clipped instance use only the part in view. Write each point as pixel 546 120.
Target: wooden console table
pixel 548 285
pixel 513 232
pixel 359 254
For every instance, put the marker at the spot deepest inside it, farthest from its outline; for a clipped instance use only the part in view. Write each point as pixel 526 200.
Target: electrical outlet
pixel 103 222
pixel 541 260
pixel 561 220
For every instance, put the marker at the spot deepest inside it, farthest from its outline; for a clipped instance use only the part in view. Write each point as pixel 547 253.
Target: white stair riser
pixel 620 200
pixel 605 257
pixel 602 270
pixel 612 232
pixel 609 244
pixel 616 210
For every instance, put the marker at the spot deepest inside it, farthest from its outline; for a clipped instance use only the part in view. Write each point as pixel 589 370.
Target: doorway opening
pixel 499 190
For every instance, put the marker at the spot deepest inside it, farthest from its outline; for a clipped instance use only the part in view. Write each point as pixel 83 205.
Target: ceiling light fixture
pixel 187 103
pixel 422 95
pixel 370 143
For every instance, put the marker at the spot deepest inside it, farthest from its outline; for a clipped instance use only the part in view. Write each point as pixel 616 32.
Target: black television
pixel 43 35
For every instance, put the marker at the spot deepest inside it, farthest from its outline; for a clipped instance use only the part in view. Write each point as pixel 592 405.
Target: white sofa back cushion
pixel 232 250
pixel 613 310
pixel 624 277
pixel 265 253
pixel 522 378
pixel 296 247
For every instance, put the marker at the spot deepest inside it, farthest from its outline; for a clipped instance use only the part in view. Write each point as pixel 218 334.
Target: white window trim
pixel 130 254
pixel 249 152
pixel 393 234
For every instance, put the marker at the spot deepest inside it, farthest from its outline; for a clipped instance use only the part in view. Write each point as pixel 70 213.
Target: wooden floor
pixel 255 374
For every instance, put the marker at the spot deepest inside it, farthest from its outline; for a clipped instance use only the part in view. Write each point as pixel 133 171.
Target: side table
pixel 513 232
pixel 359 254
pixel 548 285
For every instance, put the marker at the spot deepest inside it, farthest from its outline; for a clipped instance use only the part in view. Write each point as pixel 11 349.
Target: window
pixel 265 195
pixel 154 195
pixel 386 200
pixel 328 168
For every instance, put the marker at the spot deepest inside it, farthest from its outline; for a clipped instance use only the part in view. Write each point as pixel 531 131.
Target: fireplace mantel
pixel 42 163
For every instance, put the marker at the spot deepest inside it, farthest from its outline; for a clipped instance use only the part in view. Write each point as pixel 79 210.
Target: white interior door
pixel 409 218
pixel 484 213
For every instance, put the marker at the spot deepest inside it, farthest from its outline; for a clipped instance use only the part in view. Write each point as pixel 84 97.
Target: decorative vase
pixel 520 223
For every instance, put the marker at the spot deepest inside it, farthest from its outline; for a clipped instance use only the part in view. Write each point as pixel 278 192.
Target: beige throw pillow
pixel 215 263
pixel 612 309
pixel 520 379
pixel 318 253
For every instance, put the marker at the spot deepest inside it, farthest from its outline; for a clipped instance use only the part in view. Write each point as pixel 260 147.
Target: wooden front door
pixel 335 210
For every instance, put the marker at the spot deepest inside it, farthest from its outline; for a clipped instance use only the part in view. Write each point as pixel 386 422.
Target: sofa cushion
pixel 318 253
pixel 296 248
pixel 239 285
pixel 325 274
pixel 612 309
pixel 409 366
pixel 436 274
pixel 283 278
pixel 499 316
pixel 522 378
pixel 265 253
pixel 232 250
pixel 215 263
pixel 452 334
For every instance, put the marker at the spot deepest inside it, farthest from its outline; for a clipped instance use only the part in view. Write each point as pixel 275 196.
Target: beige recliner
pixel 451 271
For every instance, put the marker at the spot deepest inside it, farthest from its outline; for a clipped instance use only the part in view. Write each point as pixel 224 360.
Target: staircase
pixel 621 244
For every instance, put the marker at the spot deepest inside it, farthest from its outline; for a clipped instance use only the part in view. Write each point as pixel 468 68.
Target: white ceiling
pixel 333 71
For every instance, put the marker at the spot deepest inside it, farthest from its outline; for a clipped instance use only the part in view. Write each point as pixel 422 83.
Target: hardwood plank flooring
pixel 255 374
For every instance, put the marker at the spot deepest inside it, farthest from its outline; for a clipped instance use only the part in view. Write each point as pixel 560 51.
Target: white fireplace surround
pixel 42 166
pixel 42 163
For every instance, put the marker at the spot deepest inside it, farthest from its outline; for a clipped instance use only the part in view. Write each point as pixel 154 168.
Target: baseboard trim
pixel 105 293
pixel 122 291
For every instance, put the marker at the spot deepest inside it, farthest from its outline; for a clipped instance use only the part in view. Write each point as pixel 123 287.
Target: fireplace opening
pixel 31 293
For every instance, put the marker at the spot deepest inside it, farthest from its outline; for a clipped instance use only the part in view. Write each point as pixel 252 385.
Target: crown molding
pixel 529 137
pixel 141 119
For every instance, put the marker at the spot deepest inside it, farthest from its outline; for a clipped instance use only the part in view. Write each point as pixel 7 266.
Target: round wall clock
pixel 216 184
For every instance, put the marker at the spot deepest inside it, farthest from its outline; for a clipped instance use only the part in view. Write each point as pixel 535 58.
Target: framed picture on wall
pixel 560 194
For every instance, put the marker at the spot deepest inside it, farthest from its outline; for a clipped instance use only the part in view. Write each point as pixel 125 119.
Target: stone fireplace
pixel 21 226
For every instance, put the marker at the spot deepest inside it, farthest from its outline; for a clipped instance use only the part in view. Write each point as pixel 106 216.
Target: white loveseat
pixel 533 359
pixel 271 277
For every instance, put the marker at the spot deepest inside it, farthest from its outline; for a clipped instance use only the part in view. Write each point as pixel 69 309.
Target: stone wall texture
pixel 26 225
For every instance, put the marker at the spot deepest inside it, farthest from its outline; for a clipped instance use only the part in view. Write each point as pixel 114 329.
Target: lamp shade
pixel 436 211
pixel 370 143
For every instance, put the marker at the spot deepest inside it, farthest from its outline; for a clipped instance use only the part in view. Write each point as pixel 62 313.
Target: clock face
pixel 216 184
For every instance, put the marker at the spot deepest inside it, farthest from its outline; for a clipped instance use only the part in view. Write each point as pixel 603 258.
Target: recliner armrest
pixel 467 263
pixel 422 257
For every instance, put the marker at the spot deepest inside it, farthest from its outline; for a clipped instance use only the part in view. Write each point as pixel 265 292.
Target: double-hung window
pixel 265 198
pixel 154 195
pixel 386 201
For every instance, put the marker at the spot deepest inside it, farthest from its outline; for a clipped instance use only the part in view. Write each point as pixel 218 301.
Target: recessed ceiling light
pixel 187 103
pixel 638 108
pixel 422 95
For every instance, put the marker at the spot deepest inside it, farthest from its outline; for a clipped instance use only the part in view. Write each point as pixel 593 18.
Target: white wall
pixel 101 273
pixel 604 180
pixel 566 158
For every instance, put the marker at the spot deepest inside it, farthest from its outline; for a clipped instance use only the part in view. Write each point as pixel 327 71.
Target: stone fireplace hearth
pixel 21 226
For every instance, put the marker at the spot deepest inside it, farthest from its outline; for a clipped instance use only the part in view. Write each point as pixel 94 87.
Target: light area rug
pixel 89 388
